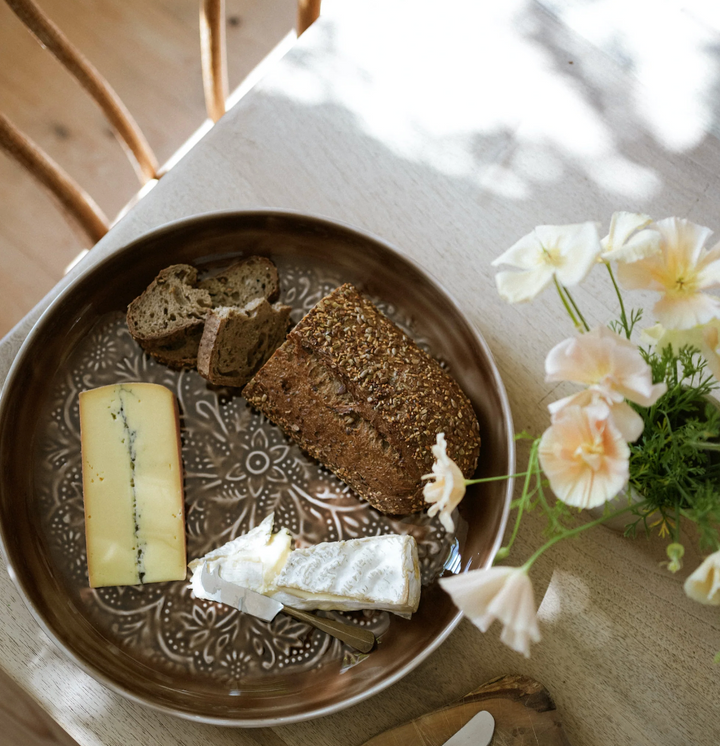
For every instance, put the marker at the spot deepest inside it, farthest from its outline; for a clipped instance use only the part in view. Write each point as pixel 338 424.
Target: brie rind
pixel 375 572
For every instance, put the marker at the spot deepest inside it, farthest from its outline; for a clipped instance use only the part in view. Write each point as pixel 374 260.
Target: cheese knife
pixel 266 608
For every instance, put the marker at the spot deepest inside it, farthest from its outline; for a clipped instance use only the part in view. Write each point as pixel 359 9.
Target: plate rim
pixel 210 217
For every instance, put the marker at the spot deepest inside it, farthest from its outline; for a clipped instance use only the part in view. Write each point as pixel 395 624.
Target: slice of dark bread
pixel 236 342
pixel 254 277
pixel 168 319
pixel 361 397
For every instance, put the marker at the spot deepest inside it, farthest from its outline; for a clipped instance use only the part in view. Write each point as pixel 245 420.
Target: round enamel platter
pixel 155 643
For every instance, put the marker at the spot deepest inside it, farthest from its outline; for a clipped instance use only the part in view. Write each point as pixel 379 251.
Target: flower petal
pixel 652 335
pixel 641 275
pixel 640 395
pixel 502 593
pixel 448 487
pixel 709 269
pixel 640 246
pixel 704 584
pixel 584 456
pixel 607 362
pixel 565 251
pixel 619 246
pixel 677 312
pixel 520 287
pixel 682 241
pixel 579 246
pixel 628 422
pixel 523 254
pixel 622 226
pixel 472 592
pixel 710 346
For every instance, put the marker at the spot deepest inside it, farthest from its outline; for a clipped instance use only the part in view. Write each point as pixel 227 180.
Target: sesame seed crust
pixel 376 375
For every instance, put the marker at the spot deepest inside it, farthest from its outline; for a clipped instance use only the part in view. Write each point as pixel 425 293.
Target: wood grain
pixel 452 156
pixel 308 13
pixel 52 38
pixel 149 50
pixel 79 205
pixel 23 721
pixel 214 56
pixel 523 710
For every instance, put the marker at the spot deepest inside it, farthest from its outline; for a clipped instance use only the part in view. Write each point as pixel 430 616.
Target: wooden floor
pixel 149 51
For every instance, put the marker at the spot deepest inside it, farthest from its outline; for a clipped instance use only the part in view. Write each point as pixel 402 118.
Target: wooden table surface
pixel 452 130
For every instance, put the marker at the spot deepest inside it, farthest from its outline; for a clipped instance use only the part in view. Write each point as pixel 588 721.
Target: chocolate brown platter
pixel 156 644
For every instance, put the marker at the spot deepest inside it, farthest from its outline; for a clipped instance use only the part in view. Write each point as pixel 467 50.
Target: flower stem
pixel 564 300
pixel 532 469
pixel 574 531
pixel 495 479
pixel 577 310
pixel 623 315
pixel 704 445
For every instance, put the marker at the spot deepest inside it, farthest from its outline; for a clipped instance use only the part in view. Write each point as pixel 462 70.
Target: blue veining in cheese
pixel 132 485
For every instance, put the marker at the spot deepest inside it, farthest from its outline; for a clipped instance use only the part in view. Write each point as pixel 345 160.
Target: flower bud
pixel 675 554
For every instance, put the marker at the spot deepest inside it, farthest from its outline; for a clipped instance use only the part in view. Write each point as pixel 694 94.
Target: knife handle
pixel 361 639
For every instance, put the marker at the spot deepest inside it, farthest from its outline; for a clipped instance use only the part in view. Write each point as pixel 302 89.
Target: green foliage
pixel 675 464
pixel 624 325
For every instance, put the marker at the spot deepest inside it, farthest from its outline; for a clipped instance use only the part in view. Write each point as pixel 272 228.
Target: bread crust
pixel 393 397
pixel 176 346
pixel 263 327
pixel 177 287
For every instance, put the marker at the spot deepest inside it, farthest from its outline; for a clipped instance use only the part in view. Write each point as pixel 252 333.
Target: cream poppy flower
pixel 627 421
pixel 567 252
pixel 448 489
pixel 613 369
pixel 584 456
pixel 680 271
pixel 622 246
pixel 502 593
pixel 705 338
pixel 704 584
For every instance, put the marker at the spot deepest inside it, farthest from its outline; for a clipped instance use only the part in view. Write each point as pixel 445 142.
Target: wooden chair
pixel 76 202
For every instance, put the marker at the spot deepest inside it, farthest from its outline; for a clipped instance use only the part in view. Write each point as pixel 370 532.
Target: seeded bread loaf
pixel 167 320
pixel 237 341
pixel 361 397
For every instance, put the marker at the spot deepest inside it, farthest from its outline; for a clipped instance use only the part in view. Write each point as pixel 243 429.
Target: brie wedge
pixel 253 560
pixel 375 572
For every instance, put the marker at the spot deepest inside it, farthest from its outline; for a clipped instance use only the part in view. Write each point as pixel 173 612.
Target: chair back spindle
pixel 308 13
pixel 72 197
pixel 50 36
pixel 213 56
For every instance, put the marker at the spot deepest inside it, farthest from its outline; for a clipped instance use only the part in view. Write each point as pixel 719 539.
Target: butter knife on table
pixel 478 731
pixel 266 608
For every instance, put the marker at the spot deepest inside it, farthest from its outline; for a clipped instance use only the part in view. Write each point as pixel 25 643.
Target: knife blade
pixel 266 608
pixel 243 599
pixel 478 731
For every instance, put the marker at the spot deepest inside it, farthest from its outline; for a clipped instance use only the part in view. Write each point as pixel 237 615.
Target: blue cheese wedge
pixel 375 572
pixel 132 485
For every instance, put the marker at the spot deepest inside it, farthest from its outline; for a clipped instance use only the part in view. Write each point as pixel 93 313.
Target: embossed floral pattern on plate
pixel 238 468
